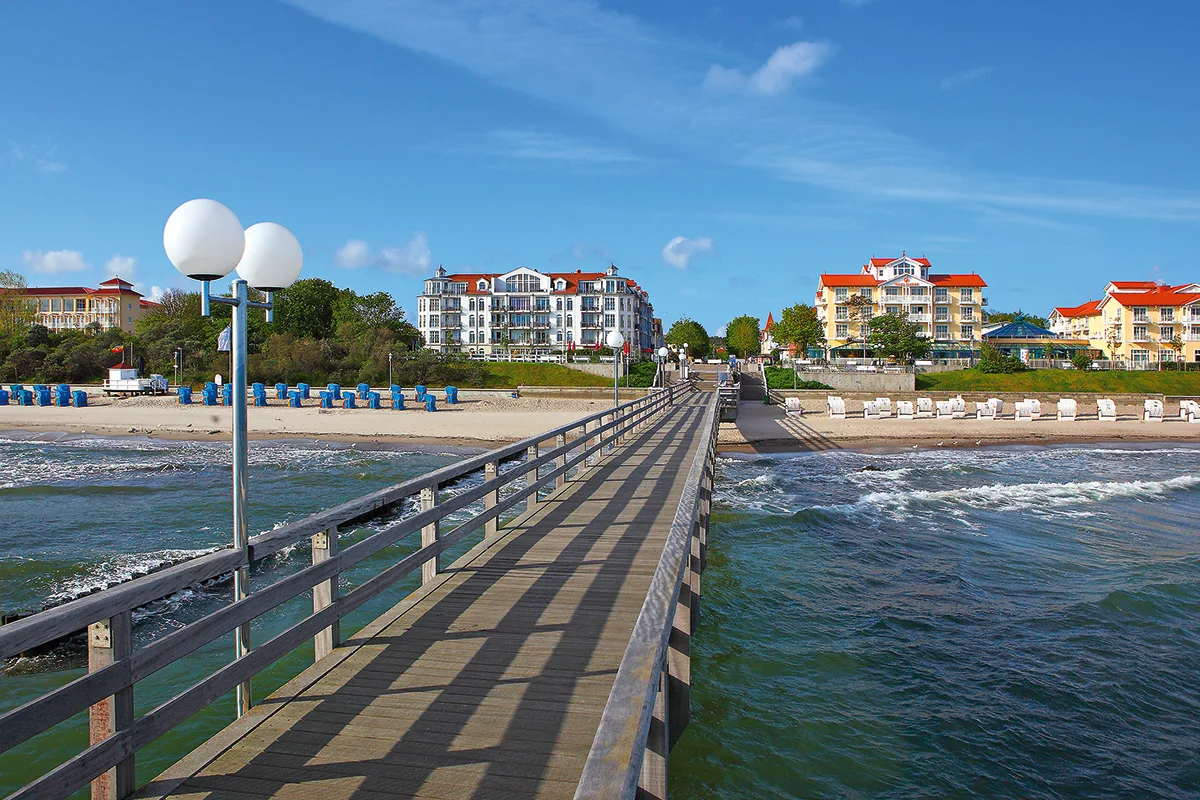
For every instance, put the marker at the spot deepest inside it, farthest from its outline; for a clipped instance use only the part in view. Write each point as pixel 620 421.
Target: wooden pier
pixel 551 660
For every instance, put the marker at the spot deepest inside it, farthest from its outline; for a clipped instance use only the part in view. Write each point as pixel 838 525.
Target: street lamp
pixel 205 241
pixel 662 365
pixel 616 341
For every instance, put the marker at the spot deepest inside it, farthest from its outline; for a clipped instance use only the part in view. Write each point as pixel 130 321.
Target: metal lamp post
pixel 615 342
pixel 662 365
pixel 205 241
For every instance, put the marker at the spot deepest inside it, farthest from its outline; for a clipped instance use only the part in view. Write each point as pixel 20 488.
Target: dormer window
pixel 481 286
pixel 560 285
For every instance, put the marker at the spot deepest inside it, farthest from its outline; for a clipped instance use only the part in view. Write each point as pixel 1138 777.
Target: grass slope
pixel 506 375
pixel 1047 380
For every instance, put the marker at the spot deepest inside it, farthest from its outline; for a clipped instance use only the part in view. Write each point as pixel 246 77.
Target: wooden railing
pixel 115 667
pixel 650 702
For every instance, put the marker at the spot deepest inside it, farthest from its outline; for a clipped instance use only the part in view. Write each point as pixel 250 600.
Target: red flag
pixel 119 348
pixel 627 348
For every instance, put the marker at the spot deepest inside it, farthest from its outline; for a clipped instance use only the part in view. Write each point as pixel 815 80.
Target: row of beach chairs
pixel 1027 410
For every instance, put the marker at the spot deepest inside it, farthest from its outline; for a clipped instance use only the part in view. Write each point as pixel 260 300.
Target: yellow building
pixel 114 304
pixel 948 307
pixel 1141 322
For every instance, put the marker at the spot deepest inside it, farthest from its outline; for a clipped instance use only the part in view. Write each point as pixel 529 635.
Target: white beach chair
pixel 958 407
pixel 885 406
pixel 1152 411
pixel 1189 411
pixel 904 409
pixel 985 411
pixel 792 406
pixel 1106 410
pixel 997 406
pixel 1067 409
pixel 870 409
pixel 945 409
pixel 924 407
pixel 1023 411
pixel 837 407
pixel 1035 407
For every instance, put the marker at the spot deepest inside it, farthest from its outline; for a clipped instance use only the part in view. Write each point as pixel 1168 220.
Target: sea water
pixel 1006 623
pixel 988 623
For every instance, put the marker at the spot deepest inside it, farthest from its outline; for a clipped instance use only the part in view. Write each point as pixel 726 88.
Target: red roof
pixel 1127 285
pixel 883 262
pixel 1162 298
pixel 1088 309
pixel 848 280
pixel 59 290
pixel 770 322
pixel 957 280
pixel 149 303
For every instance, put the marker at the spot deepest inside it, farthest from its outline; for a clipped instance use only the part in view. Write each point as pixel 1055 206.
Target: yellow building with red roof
pixel 948 307
pixel 1139 322
pixel 113 304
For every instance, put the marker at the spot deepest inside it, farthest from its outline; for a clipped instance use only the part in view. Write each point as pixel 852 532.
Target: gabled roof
pixel 847 280
pixel 883 262
pixel 1130 286
pixel 1088 309
pixel 1020 329
pixel 971 280
pixel 1166 298
pixel 770 322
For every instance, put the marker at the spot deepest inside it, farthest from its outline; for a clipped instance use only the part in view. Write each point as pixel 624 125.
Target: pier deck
pixel 491 680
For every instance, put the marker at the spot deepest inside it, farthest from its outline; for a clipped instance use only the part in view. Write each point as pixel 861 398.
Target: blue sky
pixel 722 154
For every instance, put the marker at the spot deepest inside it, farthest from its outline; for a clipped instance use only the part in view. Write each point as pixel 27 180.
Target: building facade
pixel 113 304
pixel 526 312
pixel 948 307
pixel 1139 322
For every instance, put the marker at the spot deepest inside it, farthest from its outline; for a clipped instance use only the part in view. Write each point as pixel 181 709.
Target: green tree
pixel 1081 360
pixel 686 330
pixel 17 309
pixel 306 308
pixel 862 309
pixel 799 327
pixel 743 335
pixel 1017 316
pixel 993 362
pixel 895 336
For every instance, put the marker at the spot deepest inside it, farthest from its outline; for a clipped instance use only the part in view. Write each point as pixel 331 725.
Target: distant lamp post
pixel 205 241
pixel 662 364
pixel 390 383
pixel 615 342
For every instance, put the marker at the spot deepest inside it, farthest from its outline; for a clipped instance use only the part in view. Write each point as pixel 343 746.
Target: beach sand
pixel 763 428
pixel 482 421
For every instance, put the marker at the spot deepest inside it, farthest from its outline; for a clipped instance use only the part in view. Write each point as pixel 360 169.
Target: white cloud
pixel 121 266
pixel 966 76
pixel 155 294
pixel 544 146
pixel 785 65
pixel 680 251
pixel 54 262
pixel 40 159
pixel 411 258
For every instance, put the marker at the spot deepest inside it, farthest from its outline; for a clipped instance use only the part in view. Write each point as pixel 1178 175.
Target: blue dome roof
pixel 1020 329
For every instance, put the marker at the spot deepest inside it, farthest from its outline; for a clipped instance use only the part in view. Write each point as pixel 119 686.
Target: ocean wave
pixel 119 569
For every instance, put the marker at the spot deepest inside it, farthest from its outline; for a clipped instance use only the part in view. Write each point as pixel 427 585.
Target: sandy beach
pixel 486 420
pixel 763 428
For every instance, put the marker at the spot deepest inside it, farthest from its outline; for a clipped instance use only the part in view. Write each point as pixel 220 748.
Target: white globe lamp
pixel 662 352
pixel 204 240
pixel 615 340
pixel 272 259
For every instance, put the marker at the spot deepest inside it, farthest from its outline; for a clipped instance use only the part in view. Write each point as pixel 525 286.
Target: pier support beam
pixel 531 454
pixel 490 471
pixel 561 461
pixel 429 535
pixel 110 641
pixel 324 547
pixel 652 782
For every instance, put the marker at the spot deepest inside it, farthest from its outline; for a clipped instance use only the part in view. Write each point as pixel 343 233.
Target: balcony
pixel 918 318
pixel 1190 337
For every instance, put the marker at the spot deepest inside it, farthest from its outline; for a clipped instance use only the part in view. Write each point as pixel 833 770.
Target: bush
pixel 641 373
pixel 1081 361
pixel 780 378
pixel 993 362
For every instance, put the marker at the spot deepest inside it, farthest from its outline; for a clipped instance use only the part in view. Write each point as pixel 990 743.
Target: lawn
pixel 507 375
pixel 1058 380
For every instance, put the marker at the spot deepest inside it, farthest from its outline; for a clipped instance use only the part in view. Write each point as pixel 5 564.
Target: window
pixel 481 286
pixel 558 320
pixel 56 304
pixel 523 282
pixel 966 295
pixel 1166 333
pixel 968 331
pixel 918 291
pixel 1139 333
pixel 867 292
pixel 1139 356
pixel 569 304
pixel 1166 314
pixel 891 291
pixel 472 337
pixel 941 331
pixel 558 304
pixel 941 295
pixel 610 320
pixel 610 303
pixel 841 293
pixel 843 313
pixel 941 314
pixel 558 336
pixel 570 324
pixel 893 310
pixel 841 331
pixel 1166 355
pixel 560 285
pixel 1140 314
pixel 968 313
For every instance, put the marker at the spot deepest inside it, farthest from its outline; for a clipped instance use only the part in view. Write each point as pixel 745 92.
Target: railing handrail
pixel 120 676
pixel 614 761
pixel 48 625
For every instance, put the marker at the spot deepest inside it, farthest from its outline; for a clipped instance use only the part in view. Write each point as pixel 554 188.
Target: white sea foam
pixel 118 569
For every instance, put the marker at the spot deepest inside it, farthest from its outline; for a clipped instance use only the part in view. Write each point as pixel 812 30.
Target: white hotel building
pixel 526 312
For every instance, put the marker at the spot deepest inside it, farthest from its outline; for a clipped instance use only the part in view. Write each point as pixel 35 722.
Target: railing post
pixel 324 547
pixel 679 650
pixel 110 641
pixel 531 477
pixel 561 461
pixel 652 782
pixel 490 471
pixel 430 534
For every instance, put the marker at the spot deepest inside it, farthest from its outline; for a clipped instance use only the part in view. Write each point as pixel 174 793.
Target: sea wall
pixel 881 382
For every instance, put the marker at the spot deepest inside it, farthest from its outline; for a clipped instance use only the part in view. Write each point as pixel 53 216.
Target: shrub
pixel 1081 361
pixel 993 362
